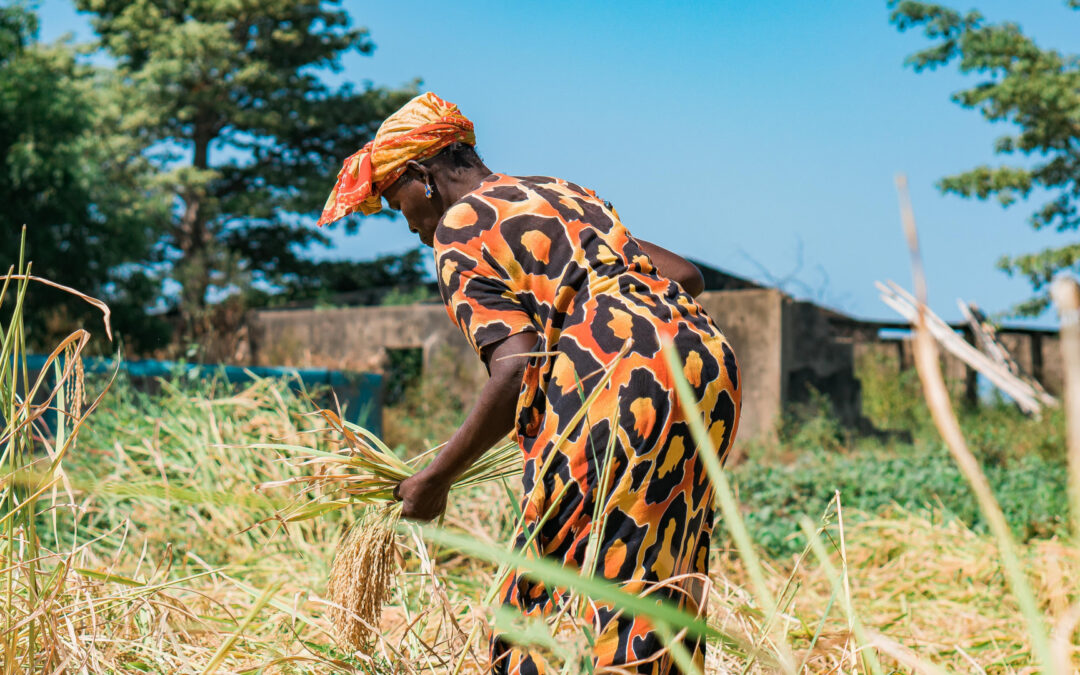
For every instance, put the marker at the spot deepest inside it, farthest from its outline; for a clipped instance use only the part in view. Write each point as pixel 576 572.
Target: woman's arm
pixel 675 267
pixel 424 494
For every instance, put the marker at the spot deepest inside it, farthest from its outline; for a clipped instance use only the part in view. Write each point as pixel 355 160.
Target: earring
pixel 427 190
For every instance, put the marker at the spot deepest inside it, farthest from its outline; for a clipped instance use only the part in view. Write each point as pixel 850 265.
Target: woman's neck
pixel 454 185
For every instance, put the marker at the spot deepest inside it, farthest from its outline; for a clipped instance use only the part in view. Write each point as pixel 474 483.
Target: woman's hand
pixel 422 495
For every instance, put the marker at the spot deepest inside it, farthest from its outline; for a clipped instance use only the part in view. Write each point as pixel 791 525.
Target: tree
pixel 80 187
pixel 368 282
pixel 248 133
pixel 1036 90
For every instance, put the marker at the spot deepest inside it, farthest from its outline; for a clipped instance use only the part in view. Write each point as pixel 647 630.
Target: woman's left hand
pixel 423 496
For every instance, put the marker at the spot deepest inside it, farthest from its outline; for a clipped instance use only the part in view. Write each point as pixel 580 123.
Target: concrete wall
pixel 898 355
pixel 781 346
pixel 785 348
pixel 1038 354
pixel 355 338
pixel 753 321
pixel 816 359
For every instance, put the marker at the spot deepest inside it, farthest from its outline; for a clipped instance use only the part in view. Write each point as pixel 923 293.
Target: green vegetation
pixel 187 530
pixel 81 184
pixel 909 470
pixel 1035 89
pixel 247 133
pixel 881 481
pixel 164 485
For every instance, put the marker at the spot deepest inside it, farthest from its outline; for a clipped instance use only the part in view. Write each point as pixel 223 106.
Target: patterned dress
pixel 543 255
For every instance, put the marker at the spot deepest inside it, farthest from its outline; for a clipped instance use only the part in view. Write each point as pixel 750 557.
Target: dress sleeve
pixel 478 300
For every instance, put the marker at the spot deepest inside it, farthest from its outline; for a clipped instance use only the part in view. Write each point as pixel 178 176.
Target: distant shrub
pixel 1000 432
pixel 812 424
pixel 891 397
pixel 430 407
pixel 921 478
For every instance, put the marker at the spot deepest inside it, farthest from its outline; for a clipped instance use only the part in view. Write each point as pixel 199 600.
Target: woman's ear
pixel 422 171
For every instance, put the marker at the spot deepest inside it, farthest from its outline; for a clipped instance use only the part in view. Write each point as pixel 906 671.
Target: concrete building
pixel 784 347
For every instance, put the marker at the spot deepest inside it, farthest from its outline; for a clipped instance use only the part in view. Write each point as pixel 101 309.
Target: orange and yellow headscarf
pixel 422 128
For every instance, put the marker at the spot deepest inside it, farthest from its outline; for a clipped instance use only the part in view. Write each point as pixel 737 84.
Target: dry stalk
pixel 937 399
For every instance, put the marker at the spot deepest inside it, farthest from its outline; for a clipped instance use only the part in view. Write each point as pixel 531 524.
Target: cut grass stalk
pixel 367 471
pixel 226 646
pixel 31 640
pixel 836 580
pixel 941 410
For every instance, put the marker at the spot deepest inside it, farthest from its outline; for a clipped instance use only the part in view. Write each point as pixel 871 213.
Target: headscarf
pixel 420 130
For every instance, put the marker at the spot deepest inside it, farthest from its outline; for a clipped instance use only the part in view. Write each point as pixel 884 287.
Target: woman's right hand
pixel 423 496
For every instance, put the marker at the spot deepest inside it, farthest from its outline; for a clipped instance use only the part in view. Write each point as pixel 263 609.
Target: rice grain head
pixel 363 573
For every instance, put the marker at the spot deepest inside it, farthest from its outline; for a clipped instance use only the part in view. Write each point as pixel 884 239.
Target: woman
pixel 553 292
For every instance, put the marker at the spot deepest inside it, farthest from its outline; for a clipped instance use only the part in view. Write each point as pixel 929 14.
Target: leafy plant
pixel 877 481
pixel 1032 88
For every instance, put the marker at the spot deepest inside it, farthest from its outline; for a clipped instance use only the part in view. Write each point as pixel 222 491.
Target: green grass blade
pixel 226 646
pixel 555 574
pixel 835 580
pixel 724 495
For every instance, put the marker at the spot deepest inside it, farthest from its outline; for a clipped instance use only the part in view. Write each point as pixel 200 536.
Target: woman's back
pixel 569 263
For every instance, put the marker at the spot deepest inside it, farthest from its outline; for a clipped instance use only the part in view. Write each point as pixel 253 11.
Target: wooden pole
pixel 1066 294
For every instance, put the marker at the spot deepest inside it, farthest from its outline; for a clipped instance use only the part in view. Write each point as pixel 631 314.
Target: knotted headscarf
pixel 420 130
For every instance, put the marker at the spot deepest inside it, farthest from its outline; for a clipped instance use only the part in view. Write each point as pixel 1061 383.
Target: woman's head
pixel 420 130
pixel 426 189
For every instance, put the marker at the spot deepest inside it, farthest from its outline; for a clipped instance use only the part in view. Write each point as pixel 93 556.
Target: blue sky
pixel 746 135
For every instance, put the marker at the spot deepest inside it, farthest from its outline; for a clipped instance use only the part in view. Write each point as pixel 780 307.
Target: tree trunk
pixel 193 267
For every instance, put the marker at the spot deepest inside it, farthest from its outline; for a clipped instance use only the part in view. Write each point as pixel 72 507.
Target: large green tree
pixel 1037 91
pixel 79 187
pixel 248 132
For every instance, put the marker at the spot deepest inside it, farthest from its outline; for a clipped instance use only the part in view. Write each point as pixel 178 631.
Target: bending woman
pixel 551 290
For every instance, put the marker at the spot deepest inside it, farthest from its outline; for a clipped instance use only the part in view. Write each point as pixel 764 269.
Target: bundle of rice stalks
pixel 365 471
pixel 362 574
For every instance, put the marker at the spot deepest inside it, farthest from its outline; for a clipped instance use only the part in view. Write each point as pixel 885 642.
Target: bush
pixel 811 456
pixel 428 407
pixel 920 478
pixel 891 398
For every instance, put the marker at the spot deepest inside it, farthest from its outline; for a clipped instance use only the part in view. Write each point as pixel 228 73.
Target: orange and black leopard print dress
pixel 543 255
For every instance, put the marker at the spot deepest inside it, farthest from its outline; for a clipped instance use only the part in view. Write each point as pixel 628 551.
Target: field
pixel 135 540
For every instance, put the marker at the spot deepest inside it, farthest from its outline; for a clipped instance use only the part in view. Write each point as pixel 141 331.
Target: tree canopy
pixel 246 131
pixel 1037 91
pixel 190 169
pixel 80 187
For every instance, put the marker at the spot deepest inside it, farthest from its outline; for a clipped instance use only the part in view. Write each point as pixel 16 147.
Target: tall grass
pixel 34 580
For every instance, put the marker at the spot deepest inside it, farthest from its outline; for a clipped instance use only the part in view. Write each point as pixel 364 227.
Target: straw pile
pixel 366 471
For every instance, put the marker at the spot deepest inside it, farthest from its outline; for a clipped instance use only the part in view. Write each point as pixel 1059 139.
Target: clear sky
pixel 746 135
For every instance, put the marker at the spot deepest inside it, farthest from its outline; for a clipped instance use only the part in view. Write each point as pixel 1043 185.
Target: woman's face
pixel 422 213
